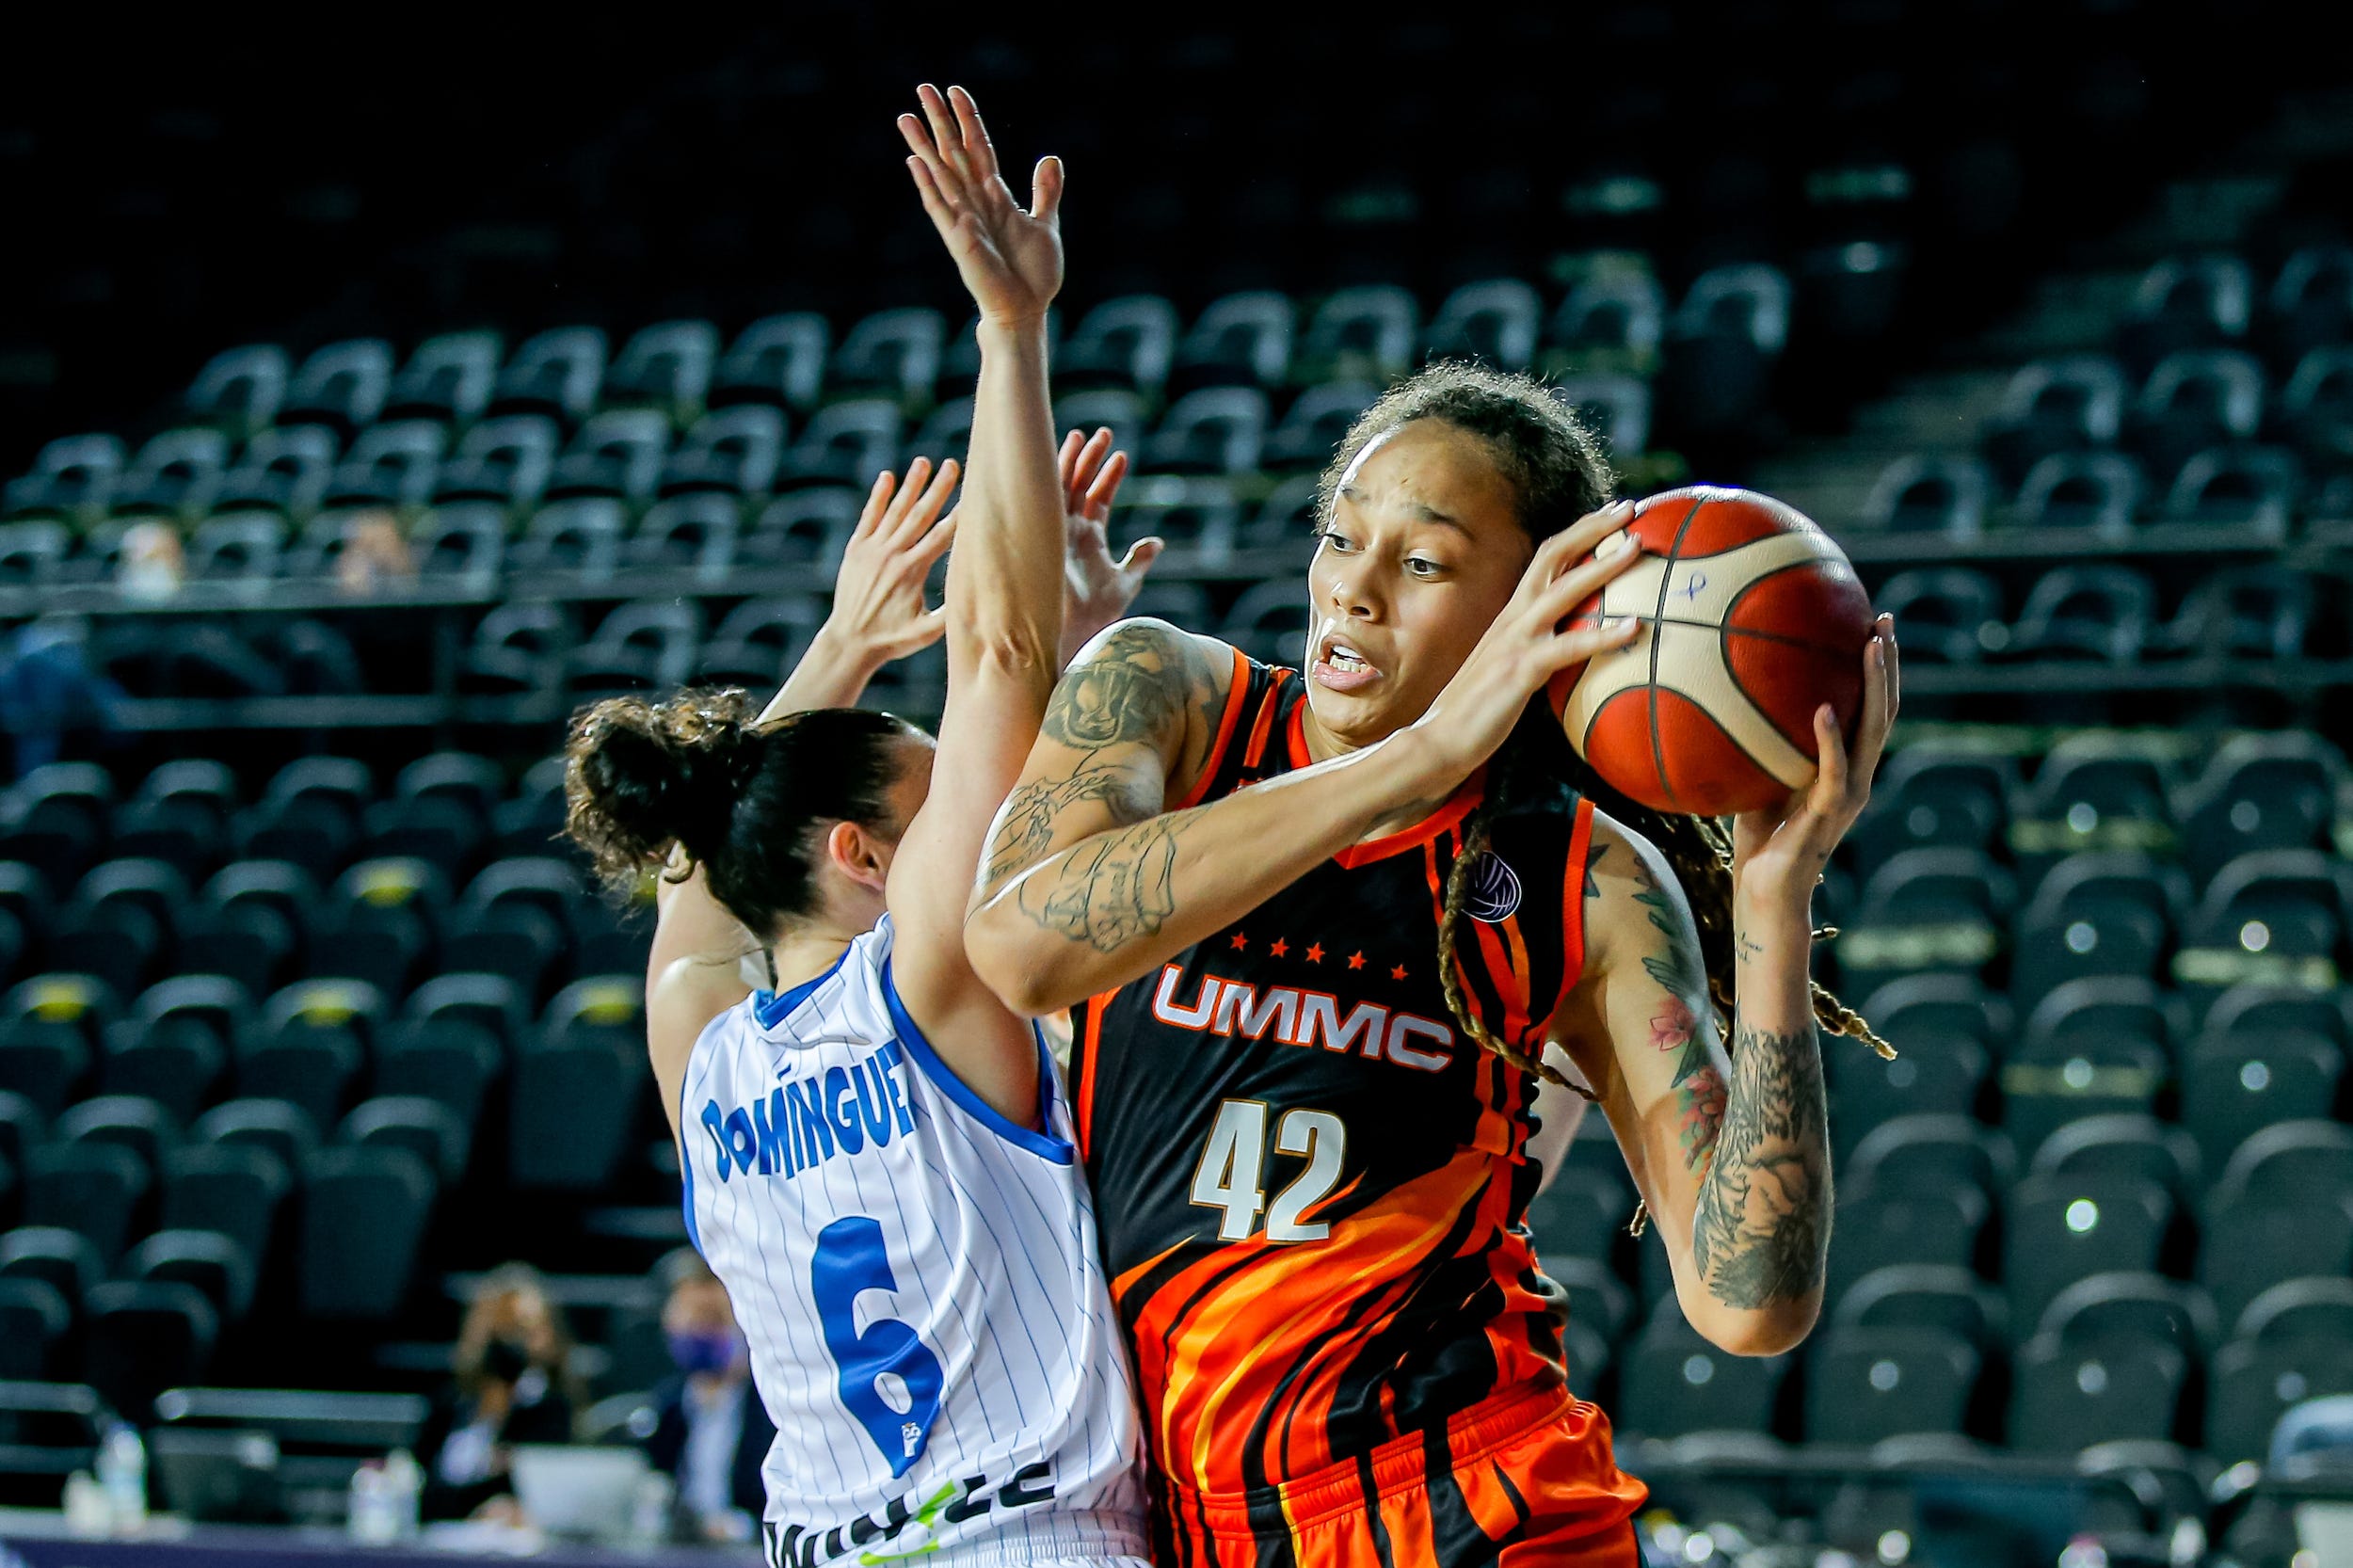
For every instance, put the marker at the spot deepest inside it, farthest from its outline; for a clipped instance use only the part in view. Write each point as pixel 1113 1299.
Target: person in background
pixel 50 689
pixel 710 1434
pixel 514 1384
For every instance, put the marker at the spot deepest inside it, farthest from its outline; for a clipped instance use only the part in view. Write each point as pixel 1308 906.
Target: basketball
pixel 1750 619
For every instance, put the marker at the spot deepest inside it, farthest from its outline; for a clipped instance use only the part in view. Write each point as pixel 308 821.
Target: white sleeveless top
pixel 918 1281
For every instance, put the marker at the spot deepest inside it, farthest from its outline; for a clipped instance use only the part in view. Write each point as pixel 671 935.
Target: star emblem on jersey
pixel 1494 891
pixel 1239 943
pixel 1279 947
pixel 1398 973
pixel 1355 960
pixel 1687 601
pixel 1315 952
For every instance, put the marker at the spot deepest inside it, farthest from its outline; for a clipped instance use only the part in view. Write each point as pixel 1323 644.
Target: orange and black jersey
pixel 1310 1184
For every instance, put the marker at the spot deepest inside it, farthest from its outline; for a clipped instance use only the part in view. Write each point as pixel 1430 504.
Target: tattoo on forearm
pixel 1747 946
pixel 1699 1117
pixel 1762 1224
pixel 1025 828
pixel 1112 889
pixel 1141 682
pixel 1679 1024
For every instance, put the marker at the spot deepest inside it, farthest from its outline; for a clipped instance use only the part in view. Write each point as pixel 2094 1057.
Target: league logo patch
pixel 1494 891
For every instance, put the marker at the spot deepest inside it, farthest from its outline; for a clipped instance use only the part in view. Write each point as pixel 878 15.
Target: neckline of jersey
pixel 771 1008
pixel 1456 807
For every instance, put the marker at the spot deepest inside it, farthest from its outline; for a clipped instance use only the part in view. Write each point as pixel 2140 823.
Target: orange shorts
pixel 1524 1479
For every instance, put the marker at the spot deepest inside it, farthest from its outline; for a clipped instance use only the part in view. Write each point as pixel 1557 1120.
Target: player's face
pixel 1422 550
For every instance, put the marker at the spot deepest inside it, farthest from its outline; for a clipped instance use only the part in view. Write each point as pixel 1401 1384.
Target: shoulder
pixel 1140 680
pixel 1630 886
pixel 685 997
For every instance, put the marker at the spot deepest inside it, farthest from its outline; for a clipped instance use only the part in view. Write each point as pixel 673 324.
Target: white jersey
pixel 918 1281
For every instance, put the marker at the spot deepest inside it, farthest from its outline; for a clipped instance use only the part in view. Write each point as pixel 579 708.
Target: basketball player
pixel 877 1155
pixel 1334 931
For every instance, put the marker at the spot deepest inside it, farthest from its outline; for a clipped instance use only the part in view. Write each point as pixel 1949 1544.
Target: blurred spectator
pixel 710 1432
pixel 48 689
pixel 374 555
pixel 514 1384
pixel 152 562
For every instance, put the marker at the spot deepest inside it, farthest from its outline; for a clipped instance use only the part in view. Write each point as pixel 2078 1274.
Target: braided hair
pixel 745 801
pixel 1558 473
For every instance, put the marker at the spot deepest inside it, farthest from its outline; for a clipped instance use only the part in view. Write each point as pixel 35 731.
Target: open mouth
pixel 1341 666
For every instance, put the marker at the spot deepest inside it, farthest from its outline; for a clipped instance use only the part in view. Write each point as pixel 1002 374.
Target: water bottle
pixel 370 1520
pixel 122 1476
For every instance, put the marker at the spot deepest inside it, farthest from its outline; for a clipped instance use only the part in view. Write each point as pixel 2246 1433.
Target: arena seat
pixel 363 1218
pixel 122 1121
pixel 448 377
pixel 2060 1228
pixel 2186 302
pixel 426 1127
pixel 1928 1153
pixel 2316 408
pixel 240 389
pixel 2249 613
pixel 1268 621
pixel 2252 489
pixel 2252 1383
pixel 488 1002
pixel 1595 1296
pixel 576 1085
pixel 518 649
pixel 1315 422
pixel 2096 914
pixel 142 1337
pixel 234 1189
pixel 1948 1299
pixel 2195 399
pixel 2065 1398
pixel 459 543
pixel 556 374
pixel 2236 1083
pixel 2103 613
pixel 2274 916
pixel 1673 1382
pixel 1197 518
pixel 2250 1244
pixel 1611 319
pixel 1126 343
pixel 1924 798
pixel 42 1062
pixel 945 432
pixel 341 384
pixel 174 474
pixel 2053 406
pixel 507 460
pixel 1937 1074
pixel 279 1127
pixel 693 530
pixel 1368 331
pixel 1926 911
pixel 23 1128
pixel 1928 493
pixel 284 470
pixel 2055 1083
pixel 1864 1385
pixel 735 451
pixel 648 646
pixel 91 1188
pixel 846 443
pixel 1950 614
pixel 2096 493
pixel 1240 338
pixel 667 366
pixel 779 360
pixel 210 1261
pixel 1579 1215
pixel 114 925
pixel 450 1059
pixel 1617 408
pixel 1213 431
pixel 59 1256
pixel 35 1321
pixel 616 455
pixel 894 353
pixel 2124 1146
pixel 1495 321
pixel 2271 790
pixel 803 529
pixel 396 463
pixel 1875 1229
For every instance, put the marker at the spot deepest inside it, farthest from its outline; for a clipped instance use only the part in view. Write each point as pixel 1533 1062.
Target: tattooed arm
pixel 1732 1159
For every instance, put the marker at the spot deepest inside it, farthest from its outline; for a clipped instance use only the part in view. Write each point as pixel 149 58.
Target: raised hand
pixel 1010 260
pixel 878 594
pixel 1527 644
pixel 1780 850
pixel 1096 590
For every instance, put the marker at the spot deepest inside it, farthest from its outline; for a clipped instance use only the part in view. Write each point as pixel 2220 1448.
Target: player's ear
pixel 858 855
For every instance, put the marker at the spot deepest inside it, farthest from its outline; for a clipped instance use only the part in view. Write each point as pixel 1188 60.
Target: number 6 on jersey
pixel 1231 1173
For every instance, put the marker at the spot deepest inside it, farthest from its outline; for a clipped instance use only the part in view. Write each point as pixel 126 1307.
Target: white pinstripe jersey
pixel 918 1281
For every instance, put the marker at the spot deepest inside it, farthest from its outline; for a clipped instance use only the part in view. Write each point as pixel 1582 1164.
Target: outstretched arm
pixel 1732 1157
pixel 1004 592
pixel 1090 882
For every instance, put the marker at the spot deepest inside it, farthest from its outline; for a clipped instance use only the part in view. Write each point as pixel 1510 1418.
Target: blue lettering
pixel 873 1111
pixel 845 1127
pixel 809 1122
pixel 769 1124
pixel 898 1106
pixel 718 1139
pixel 742 1142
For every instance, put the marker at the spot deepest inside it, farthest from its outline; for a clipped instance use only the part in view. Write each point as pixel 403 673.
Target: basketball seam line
pixel 1658 643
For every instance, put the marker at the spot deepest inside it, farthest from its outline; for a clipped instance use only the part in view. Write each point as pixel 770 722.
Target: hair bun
pixel 641 778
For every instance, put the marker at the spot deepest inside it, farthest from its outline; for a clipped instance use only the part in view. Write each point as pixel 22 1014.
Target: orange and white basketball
pixel 1752 618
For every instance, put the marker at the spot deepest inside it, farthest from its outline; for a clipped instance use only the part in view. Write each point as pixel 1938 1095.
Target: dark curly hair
pixel 1558 473
pixel 741 800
